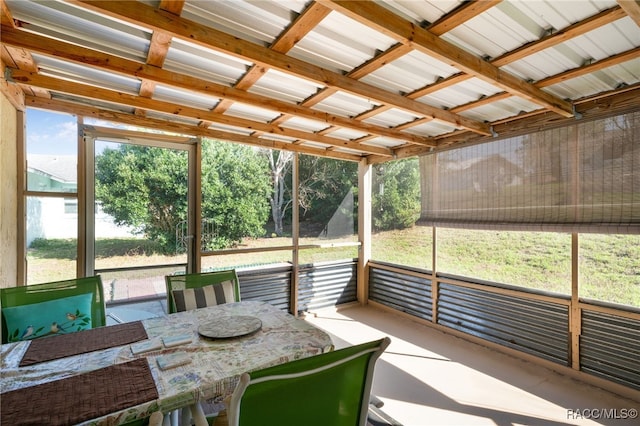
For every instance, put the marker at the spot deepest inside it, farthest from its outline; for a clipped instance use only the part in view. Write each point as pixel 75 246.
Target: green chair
pixel 70 304
pixel 328 389
pixel 191 291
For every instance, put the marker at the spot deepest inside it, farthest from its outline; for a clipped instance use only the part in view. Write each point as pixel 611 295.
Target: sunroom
pixel 466 165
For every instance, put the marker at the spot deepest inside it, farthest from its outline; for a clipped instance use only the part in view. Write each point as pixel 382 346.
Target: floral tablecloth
pixel 214 365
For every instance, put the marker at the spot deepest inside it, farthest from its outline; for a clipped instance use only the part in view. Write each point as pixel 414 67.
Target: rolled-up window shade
pixel 581 178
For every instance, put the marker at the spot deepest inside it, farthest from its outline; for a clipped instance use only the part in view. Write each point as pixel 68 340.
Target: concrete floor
pixel 427 377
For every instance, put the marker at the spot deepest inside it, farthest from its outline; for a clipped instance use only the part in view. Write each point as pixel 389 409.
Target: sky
pixel 51 133
pixel 54 133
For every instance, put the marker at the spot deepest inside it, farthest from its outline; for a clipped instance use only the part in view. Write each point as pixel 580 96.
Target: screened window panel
pixel 579 178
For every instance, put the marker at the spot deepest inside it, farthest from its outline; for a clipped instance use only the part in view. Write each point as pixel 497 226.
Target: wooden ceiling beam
pixel 172 6
pixel 603 104
pixel 6 18
pixel 554 38
pixel 305 22
pixel 177 127
pixel 632 9
pixel 143 15
pixel 106 95
pixel 549 81
pixel 466 11
pixel 158 49
pixel 375 16
pixel 620 58
pixel 375 63
pixel 123 66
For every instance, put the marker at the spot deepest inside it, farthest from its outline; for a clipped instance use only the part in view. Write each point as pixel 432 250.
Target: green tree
pixel 236 188
pixel 396 195
pixel 324 182
pixel 146 188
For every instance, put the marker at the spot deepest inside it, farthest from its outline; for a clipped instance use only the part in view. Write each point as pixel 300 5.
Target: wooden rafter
pixel 457 17
pixel 631 8
pixel 144 15
pixel 375 16
pixel 579 28
pixel 106 95
pixel 16 58
pixel 172 6
pixel 164 23
pixel 589 68
pixel 135 69
pixel 614 102
pixel 6 17
pixel 174 126
pixel 304 23
pixel 460 15
pixel 158 49
pixel 558 78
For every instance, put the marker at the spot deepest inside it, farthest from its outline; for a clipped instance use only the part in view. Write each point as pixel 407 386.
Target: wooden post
pixel 364 230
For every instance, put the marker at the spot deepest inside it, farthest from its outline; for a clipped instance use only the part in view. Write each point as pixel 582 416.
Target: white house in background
pixel 57 217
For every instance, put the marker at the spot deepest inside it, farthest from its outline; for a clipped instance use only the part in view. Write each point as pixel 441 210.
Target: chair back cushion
pixel 59 316
pixel 210 295
pixel 229 290
pixel 76 316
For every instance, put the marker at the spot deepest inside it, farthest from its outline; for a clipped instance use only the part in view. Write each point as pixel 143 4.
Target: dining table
pixel 156 364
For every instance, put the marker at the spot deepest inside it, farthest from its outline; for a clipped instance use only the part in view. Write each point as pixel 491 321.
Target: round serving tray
pixel 228 327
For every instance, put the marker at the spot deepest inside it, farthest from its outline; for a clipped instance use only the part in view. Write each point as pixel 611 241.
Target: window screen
pixel 579 178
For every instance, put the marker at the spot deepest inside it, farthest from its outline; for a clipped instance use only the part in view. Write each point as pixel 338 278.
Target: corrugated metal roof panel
pixel 459 94
pixel 251 112
pixel 187 58
pixel 501 109
pixel 304 124
pixel 88 75
pixel 256 21
pixel 93 102
pixel 345 105
pixel 608 79
pixel 391 118
pixel 421 11
pixel 608 40
pixel 347 134
pixel 410 72
pixel 383 141
pixel 340 44
pixel 284 87
pixel 76 25
pixel 431 128
pixel 578 51
pixel 560 14
pixel 315 144
pixel 185 97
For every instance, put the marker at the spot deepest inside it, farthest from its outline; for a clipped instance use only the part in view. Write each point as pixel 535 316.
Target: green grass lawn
pixel 609 264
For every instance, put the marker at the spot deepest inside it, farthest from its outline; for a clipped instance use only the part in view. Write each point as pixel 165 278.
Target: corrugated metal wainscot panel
pixel 532 326
pixel 326 284
pixel 268 284
pixel 404 292
pixel 610 347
